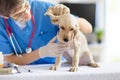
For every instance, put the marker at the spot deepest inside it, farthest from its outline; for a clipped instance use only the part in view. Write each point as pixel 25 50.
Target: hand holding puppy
pixel 52 49
pixel 55 11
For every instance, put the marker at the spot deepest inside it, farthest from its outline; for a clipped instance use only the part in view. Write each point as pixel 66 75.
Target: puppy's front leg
pixel 57 63
pixel 75 60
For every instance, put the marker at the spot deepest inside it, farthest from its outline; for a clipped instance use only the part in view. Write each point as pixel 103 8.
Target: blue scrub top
pixel 45 31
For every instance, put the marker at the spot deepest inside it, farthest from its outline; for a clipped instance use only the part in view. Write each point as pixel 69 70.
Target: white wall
pixel 100 13
pixel 112 31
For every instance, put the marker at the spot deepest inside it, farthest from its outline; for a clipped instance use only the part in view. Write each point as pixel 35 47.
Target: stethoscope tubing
pixel 11 36
pixel 11 40
pixel 16 42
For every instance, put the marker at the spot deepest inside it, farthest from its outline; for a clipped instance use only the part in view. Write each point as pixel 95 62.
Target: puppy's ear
pixel 54 18
pixel 76 31
pixel 83 24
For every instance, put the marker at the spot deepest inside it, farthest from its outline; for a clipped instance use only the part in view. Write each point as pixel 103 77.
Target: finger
pixel 61 46
pixel 57 10
pixel 49 11
pixel 52 8
pixel 64 10
pixel 61 10
pixel 60 52
pixel 68 10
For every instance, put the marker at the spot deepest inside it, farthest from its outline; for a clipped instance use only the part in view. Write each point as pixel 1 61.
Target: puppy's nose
pixel 65 39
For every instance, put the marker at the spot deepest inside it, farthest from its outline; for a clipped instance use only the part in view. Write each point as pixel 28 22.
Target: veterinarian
pixel 25 32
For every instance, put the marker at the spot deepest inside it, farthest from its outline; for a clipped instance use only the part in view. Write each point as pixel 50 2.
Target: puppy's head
pixel 67 28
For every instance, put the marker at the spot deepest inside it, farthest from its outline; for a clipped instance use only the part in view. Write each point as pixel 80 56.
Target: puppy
pixel 69 33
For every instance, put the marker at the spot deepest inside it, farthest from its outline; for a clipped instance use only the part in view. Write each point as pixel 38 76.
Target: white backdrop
pixel 112 30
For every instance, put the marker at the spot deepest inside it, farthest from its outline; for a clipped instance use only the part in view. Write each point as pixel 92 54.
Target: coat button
pixel 41 33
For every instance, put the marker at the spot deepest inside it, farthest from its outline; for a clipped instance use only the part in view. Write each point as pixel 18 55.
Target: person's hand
pixel 52 50
pixel 55 11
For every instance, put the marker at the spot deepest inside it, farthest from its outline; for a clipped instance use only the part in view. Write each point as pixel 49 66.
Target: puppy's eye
pixel 62 28
pixel 71 29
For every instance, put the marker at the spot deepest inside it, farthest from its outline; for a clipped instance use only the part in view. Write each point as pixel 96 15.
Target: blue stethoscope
pixel 11 36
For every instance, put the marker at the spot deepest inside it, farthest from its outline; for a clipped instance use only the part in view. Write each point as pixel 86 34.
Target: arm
pixel 85 26
pixel 25 59
pixel 50 50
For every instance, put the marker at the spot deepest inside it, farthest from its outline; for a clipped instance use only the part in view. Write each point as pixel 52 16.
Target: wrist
pixel 41 52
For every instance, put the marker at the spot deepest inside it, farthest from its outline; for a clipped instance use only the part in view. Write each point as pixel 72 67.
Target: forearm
pixel 25 59
pixel 50 50
pixel 85 26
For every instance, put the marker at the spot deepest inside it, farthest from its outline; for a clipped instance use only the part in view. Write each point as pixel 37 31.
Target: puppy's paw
pixel 73 69
pixel 94 65
pixel 54 68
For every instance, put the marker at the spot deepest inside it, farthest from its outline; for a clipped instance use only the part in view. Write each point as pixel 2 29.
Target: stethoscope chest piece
pixel 28 50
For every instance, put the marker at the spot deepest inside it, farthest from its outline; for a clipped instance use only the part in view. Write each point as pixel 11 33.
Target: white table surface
pixel 41 72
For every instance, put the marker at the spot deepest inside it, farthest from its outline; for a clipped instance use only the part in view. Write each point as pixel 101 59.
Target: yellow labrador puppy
pixel 69 33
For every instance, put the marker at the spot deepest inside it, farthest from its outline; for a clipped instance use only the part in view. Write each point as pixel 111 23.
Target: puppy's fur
pixel 69 33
